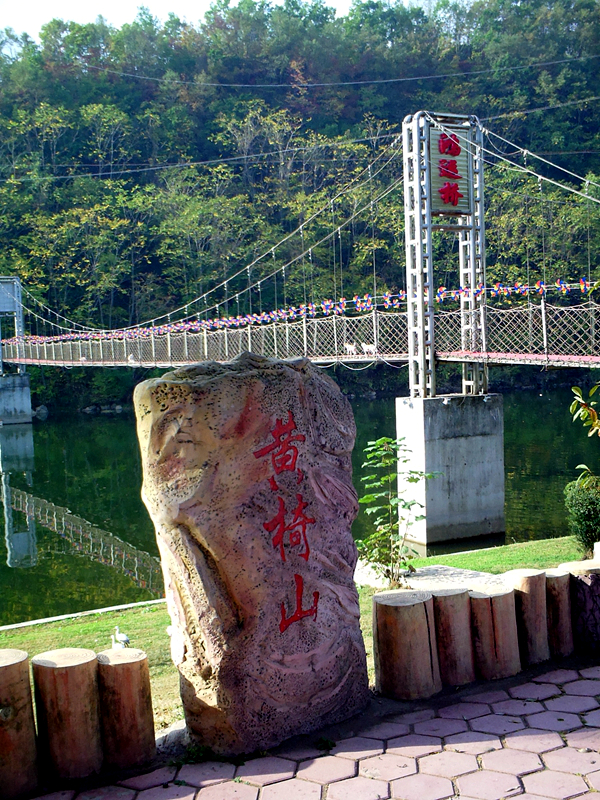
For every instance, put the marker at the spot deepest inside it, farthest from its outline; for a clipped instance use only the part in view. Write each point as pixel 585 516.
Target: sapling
pixel 385 548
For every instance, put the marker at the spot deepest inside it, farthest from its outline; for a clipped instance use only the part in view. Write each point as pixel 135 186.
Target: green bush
pixel 582 499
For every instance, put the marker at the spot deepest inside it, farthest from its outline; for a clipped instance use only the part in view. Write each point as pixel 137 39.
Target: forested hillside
pixel 138 166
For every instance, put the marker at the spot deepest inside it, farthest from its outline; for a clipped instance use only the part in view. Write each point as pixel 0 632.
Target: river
pixel 85 539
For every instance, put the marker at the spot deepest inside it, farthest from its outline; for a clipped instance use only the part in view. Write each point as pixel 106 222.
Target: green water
pixel 91 468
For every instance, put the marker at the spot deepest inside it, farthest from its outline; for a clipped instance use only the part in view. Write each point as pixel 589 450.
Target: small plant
pixel 324 744
pixel 582 500
pixel 385 548
pixel 582 497
pixel 585 410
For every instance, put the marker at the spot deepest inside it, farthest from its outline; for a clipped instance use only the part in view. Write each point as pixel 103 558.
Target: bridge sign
pixel 450 171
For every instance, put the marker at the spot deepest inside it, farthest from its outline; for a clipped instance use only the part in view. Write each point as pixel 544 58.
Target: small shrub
pixel 582 500
pixel 385 548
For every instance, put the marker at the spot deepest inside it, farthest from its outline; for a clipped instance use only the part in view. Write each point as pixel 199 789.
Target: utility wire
pixel 540 108
pixel 341 83
pixel 208 163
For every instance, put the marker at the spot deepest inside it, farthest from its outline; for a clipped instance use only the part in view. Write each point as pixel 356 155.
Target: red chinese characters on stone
pixel 448 168
pixel 450 194
pixel 283 453
pixel 449 145
pixel 299 613
pixel 296 528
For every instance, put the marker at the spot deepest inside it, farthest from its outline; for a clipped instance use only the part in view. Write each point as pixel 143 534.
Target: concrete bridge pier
pixel 461 437
pixel 15 399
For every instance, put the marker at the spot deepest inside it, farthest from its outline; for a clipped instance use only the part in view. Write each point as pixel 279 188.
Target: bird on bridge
pixel 122 638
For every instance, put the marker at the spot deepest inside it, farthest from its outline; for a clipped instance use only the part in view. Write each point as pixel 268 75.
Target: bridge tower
pixel 459 436
pixel 15 393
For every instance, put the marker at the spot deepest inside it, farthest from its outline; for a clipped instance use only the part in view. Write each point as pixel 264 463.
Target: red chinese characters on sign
pixel 449 145
pixel 448 169
pixel 450 194
pixel 449 182
pixel 284 455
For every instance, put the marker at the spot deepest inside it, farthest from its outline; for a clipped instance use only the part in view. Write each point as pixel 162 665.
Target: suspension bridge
pixel 547 323
pixel 535 333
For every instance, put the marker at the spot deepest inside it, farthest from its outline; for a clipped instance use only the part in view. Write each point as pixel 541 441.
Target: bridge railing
pixel 556 332
pixel 324 339
pixel 535 330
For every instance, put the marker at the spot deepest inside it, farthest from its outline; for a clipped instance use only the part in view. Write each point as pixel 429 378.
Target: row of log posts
pixel 426 639
pixel 93 712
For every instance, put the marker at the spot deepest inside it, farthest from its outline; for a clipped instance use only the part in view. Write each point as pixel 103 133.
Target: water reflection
pixel 77 535
pixel 16 455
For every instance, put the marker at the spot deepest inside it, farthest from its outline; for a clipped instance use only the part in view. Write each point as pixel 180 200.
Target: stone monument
pixel 247 478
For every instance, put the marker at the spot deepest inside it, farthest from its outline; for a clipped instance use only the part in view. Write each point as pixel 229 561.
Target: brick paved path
pixel 536 739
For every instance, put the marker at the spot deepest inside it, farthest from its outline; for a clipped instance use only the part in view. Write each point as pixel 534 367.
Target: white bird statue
pixel 116 645
pixel 122 638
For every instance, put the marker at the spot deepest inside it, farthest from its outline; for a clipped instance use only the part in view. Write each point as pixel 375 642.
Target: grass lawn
pixel 146 625
pixel 541 554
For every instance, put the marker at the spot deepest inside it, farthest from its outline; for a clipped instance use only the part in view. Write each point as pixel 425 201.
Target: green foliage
pixel 585 410
pixel 385 547
pixel 582 499
pixel 112 206
pixel 63 390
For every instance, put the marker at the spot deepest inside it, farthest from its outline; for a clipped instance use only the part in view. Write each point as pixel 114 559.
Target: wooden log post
pixel 558 609
pixel 66 695
pixel 452 611
pixel 18 756
pixel 126 715
pixel 494 629
pixel 404 644
pixel 585 604
pixel 530 606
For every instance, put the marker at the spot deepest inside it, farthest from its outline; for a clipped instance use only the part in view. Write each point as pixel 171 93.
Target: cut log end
pixel 64 658
pixel 401 597
pixel 120 655
pixel 10 657
pixel 454 592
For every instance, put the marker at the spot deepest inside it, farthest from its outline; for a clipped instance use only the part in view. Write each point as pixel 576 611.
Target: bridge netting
pixel 532 333
pixel 547 316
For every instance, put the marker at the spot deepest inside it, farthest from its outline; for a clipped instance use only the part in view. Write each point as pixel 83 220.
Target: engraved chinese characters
pixel 247 478
pixel 284 455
